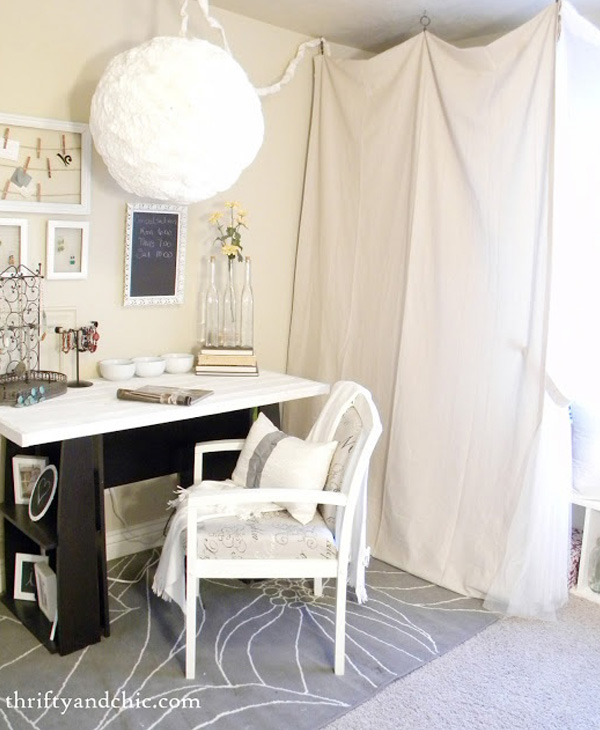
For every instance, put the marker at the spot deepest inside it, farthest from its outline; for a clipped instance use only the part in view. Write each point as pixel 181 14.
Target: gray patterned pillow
pixel 346 435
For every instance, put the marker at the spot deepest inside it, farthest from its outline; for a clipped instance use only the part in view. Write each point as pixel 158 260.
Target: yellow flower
pixel 229 226
pixel 230 250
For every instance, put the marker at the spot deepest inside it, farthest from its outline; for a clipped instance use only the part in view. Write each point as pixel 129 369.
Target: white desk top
pixel 95 410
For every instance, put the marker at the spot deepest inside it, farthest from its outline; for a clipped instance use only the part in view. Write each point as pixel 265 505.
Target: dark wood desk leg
pixel 101 533
pixel 185 466
pixel 272 412
pixel 76 555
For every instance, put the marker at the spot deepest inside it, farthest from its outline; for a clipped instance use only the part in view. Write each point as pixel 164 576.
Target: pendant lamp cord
pixel 289 72
pixel 185 17
pixel 212 22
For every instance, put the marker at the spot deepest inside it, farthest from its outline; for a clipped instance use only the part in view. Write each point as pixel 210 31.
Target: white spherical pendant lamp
pixel 176 119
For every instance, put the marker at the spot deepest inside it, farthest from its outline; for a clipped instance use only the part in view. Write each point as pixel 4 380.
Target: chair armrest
pixel 208 447
pixel 241 495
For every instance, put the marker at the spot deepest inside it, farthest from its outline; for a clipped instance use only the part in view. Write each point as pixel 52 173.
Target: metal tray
pixel 26 389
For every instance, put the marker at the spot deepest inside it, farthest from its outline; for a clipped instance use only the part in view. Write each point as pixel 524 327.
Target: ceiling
pixel 375 25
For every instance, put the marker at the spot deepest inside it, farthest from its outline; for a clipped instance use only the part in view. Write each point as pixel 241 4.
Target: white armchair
pixel 229 545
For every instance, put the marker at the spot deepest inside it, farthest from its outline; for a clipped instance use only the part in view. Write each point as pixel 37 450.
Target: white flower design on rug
pixel 265 655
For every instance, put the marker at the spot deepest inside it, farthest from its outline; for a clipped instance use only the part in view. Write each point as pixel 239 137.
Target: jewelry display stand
pixel 84 339
pixel 22 383
pixel 20 318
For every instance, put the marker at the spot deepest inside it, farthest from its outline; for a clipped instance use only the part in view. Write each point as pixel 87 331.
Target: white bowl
pixel 149 367
pixel 117 369
pixel 178 362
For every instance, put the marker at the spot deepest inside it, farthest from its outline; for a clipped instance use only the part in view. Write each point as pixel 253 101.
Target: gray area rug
pixel 265 656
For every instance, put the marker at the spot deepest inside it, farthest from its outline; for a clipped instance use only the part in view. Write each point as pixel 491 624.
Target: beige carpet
pixel 514 675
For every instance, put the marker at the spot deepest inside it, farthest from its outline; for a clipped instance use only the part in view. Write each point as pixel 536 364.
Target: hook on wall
pixel 425 20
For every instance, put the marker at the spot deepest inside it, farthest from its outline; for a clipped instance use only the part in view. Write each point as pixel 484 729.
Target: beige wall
pixel 52 54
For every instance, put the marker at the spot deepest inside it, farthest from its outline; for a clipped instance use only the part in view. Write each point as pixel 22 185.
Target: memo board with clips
pixel 44 165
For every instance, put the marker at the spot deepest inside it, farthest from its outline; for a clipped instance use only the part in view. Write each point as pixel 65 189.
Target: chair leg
pixel 190 627
pixel 318 587
pixel 340 624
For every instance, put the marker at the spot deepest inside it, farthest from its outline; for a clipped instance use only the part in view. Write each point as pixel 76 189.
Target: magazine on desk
pixel 161 394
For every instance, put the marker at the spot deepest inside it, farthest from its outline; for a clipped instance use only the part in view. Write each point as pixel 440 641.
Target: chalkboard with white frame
pixel 155 254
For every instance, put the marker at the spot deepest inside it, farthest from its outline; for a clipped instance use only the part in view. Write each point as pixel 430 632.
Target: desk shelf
pixel 42 534
pixel 69 534
pixel 33 619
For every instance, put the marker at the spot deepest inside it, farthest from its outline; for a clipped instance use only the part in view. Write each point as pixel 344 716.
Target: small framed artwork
pixel 13 244
pixel 43 493
pixel 45 165
pixel 45 582
pixel 26 470
pixel 25 586
pixel 155 254
pixel 67 245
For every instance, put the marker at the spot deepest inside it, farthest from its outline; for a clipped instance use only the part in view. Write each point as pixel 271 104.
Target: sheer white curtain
pixel 424 272
pixel 574 350
pixel 530 579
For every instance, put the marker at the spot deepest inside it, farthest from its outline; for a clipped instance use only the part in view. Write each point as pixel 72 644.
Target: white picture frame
pixel 45 581
pixel 155 241
pixel 13 244
pixel 25 586
pixel 67 249
pixel 43 493
pixel 26 470
pixel 45 165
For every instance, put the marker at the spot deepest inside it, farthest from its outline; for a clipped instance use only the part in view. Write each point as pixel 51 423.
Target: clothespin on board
pixel 64 148
pixel 38 147
pixel 6 133
pixel 38 193
pixel 5 191
pixel 48 167
pixel 26 165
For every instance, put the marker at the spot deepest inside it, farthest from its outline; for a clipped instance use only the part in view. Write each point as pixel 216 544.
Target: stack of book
pixel 226 361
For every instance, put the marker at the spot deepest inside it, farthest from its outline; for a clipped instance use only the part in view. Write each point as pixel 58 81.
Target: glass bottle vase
pixel 212 308
pixel 229 308
pixel 203 284
pixel 247 313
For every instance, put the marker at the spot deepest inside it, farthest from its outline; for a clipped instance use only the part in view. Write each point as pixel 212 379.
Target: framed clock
pixel 44 165
pixel 43 493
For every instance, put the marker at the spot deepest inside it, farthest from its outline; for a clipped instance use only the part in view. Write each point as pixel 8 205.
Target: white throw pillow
pixel 586 449
pixel 271 458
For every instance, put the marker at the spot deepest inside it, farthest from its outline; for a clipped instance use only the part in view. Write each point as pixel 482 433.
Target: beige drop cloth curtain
pixel 423 272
